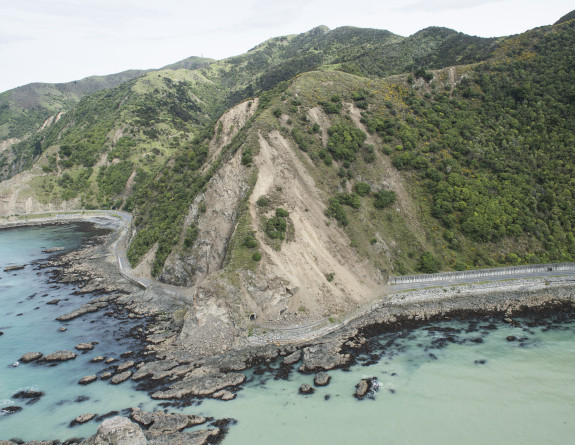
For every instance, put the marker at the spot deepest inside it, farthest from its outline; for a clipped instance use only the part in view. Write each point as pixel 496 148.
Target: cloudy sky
pixel 64 40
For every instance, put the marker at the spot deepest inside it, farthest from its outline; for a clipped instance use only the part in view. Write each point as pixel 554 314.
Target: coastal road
pixel 483 279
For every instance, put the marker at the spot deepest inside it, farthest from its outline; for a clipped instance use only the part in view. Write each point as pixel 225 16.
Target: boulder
pixel 106 375
pixel 323 357
pixel 82 310
pixel 321 379
pixel 364 387
pixel 361 389
pixel 119 378
pixel 60 356
pixel 306 389
pixel 159 423
pixel 118 431
pixel 201 386
pixel 12 268
pixel 88 379
pixel 224 395
pixel 83 418
pixel 30 357
pixel 123 366
pixel 97 359
pixel 84 346
pixel 292 358
pixel 54 301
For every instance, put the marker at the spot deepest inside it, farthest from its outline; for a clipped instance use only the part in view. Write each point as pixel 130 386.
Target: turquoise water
pixel 444 383
pixel 29 324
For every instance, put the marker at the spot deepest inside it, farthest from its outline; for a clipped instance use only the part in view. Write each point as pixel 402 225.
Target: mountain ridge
pixel 291 181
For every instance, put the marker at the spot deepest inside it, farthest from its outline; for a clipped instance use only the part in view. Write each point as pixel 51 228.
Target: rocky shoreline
pixel 169 372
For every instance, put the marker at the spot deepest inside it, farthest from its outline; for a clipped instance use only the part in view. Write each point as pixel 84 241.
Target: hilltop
pixel 289 182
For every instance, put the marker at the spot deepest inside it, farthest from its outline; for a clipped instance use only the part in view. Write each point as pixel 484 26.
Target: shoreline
pixel 170 373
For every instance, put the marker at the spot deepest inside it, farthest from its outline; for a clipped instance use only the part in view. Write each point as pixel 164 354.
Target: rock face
pixel 30 357
pixel 224 193
pixel 321 379
pixel 60 356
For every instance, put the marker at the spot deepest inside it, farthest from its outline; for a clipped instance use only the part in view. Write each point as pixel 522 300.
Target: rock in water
pixel 118 431
pixel 306 389
pixel 122 367
pixel 121 377
pixel 292 358
pixel 84 346
pixel 12 268
pixel 30 357
pixel 321 379
pixel 88 379
pixel 365 386
pixel 60 356
pixel 82 418
pixel 361 389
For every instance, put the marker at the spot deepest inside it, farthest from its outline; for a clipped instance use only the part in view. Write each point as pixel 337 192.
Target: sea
pixel 474 381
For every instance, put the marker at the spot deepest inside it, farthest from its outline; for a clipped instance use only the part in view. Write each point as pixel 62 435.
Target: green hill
pixel 326 159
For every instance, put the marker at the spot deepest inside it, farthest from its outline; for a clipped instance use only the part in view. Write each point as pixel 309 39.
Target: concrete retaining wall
pixel 454 276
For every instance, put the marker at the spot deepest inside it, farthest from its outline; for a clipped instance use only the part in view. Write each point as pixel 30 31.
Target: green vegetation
pixel 471 141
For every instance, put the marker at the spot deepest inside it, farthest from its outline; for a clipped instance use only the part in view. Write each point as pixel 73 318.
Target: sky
pixel 65 40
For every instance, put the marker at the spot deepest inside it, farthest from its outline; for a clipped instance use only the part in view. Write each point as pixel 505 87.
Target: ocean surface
pixel 451 382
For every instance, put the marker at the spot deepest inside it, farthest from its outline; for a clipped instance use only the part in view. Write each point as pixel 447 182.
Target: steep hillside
pixel 363 154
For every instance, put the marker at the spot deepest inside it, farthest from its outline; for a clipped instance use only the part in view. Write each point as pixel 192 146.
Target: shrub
pixel 336 211
pixel 282 213
pixel 276 228
pixel 257 256
pixel 384 199
pixel 262 201
pixel 250 241
pixel 428 263
pixel 277 112
pixel 362 188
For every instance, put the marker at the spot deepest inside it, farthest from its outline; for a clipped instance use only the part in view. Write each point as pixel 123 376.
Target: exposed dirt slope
pixel 316 250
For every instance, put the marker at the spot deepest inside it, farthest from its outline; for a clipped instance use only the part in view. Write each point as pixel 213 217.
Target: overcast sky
pixel 65 40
